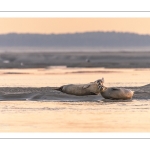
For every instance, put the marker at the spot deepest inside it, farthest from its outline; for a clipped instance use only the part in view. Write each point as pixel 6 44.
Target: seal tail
pixel 59 89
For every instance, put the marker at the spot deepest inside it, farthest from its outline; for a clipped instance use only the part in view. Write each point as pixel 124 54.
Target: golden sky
pixel 72 25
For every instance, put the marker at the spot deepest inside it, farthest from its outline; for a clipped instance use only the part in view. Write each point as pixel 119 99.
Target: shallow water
pixel 48 112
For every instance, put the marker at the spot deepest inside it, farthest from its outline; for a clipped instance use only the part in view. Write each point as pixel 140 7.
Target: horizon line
pixel 71 33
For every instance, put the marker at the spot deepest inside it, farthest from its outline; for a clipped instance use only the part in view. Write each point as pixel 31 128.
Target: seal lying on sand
pixel 92 88
pixel 116 93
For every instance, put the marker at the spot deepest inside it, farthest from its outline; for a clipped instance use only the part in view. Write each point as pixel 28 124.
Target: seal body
pixel 92 88
pixel 116 93
pixel 80 89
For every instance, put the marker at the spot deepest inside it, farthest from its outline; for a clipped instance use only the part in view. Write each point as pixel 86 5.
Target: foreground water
pixel 48 112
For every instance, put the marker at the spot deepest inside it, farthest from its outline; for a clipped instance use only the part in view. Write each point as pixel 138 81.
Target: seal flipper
pixel 86 86
pixel 59 89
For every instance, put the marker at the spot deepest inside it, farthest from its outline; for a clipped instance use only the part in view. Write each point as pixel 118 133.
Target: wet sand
pixel 49 93
pixel 33 116
pixel 29 103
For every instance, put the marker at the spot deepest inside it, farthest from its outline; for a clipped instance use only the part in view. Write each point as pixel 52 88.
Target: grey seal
pixel 116 93
pixel 92 88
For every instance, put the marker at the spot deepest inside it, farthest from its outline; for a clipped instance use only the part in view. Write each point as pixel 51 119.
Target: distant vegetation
pixel 87 39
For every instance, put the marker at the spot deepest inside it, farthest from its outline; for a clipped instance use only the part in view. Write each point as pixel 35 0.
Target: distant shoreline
pixel 75 59
pixel 85 39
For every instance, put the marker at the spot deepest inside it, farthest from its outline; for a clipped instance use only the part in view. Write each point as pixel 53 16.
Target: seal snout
pixel 100 83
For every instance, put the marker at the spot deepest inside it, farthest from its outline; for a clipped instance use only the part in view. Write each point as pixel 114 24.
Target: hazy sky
pixel 72 25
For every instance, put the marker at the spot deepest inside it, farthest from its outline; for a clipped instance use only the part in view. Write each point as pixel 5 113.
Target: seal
pixel 116 93
pixel 92 88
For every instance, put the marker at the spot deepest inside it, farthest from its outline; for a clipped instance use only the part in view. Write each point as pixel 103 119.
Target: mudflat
pixel 75 59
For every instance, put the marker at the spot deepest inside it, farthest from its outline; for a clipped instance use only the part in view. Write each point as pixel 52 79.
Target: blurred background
pixel 74 42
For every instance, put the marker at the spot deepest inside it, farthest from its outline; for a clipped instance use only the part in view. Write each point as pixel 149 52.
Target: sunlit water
pixel 74 116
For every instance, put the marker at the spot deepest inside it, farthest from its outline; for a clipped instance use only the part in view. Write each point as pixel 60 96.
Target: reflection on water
pixel 74 116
